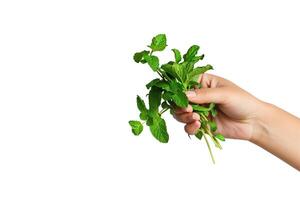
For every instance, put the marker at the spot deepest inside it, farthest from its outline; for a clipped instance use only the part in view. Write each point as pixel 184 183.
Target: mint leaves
pixel 136 126
pixel 158 43
pixel 168 92
pixel 152 61
pixel 191 53
pixel 158 129
pixel 177 55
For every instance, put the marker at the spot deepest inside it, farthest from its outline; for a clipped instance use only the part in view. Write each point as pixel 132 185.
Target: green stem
pixel 210 152
pixel 207 130
pixel 203 116
pixel 164 110
pixel 216 142
pixel 165 76
pixel 159 73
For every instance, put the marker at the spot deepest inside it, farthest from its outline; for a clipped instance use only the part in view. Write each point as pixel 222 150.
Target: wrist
pixel 261 128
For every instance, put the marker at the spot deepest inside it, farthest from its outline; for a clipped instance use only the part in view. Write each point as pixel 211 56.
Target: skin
pixel 259 122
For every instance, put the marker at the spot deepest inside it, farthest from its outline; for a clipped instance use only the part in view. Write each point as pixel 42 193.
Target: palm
pixel 233 126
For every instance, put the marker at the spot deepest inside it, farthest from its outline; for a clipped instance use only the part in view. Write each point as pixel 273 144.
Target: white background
pixel 68 86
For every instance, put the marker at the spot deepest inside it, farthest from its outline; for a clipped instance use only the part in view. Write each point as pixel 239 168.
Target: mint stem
pixel 161 112
pixel 210 152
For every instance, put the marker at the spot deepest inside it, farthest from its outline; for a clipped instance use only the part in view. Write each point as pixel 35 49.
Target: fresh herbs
pixel 168 92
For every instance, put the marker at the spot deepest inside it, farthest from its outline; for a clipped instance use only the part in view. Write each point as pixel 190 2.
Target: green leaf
pixel 191 53
pixel 136 127
pixel 219 136
pixel 194 84
pixel 154 99
pixel 143 115
pixel 139 56
pixel 142 108
pixel 197 59
pixel 167 96
pixel 165 75
pixel 143 61
pixel 180 99
pixel 149 121
pixel 177 55
pixel 159 129
pixel 199 135
pixel 180 72
pixel 194 75
pixel 214 111
pixel 141 104
pixel 203 123
pixel 175 70
pixel 163 85
pixel 200 108
pixel 176 86
pixel 159 83
pixel 151 83
pixel 167 68
pixel 177 96
pixel 213 126
pixel 159 42
pixel 152 61
pixel 165 105
pixel 201 70
pixel 188 66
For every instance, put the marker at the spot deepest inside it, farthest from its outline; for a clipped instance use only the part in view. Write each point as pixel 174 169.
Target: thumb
pixel 207 95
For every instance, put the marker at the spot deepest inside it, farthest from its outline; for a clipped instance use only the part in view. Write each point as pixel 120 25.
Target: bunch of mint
pixel 168 92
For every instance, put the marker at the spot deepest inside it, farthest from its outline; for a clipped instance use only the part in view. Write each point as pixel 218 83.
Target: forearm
pixel 279 133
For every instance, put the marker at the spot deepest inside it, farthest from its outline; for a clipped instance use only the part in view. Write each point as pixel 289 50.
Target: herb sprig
pixel 168 92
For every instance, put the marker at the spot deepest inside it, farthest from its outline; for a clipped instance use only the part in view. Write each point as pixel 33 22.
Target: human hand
pixel 238 111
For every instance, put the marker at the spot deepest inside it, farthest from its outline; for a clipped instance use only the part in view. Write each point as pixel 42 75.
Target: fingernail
pixel 190 93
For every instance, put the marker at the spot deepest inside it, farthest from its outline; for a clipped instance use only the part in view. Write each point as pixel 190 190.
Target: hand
pixel 238 111
pixel 242 116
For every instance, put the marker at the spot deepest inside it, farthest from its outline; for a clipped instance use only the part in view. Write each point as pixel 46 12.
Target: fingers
pixel 188 109
pixel 213 81
pixel 192 128
pixel 187 117
pixel 207 95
